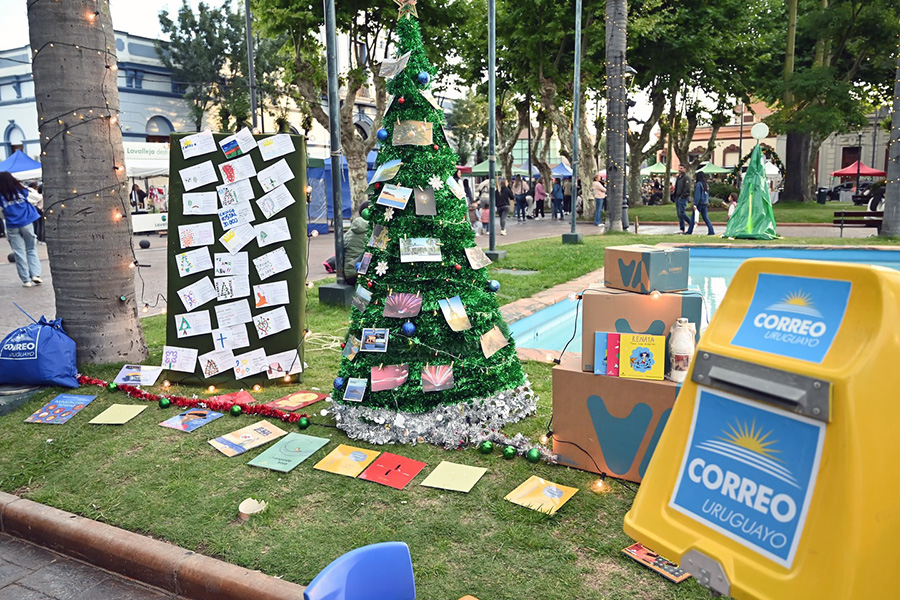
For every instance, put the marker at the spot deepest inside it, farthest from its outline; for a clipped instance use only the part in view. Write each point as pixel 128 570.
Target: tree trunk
pixel 796 166
pixel 892 191
pixel 88 224
pixel 616 22
pixel 638 142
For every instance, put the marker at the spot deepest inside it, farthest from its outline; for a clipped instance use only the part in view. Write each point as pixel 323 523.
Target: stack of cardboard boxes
pixel 608 423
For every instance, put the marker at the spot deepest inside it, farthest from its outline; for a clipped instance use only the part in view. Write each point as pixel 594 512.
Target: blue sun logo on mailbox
pixel 750 445
pixel 797 302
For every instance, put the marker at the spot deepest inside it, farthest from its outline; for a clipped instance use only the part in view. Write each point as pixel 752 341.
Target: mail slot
pixel 776 474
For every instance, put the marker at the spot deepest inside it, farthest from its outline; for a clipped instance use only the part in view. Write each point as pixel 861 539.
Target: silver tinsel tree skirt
pixel 449 426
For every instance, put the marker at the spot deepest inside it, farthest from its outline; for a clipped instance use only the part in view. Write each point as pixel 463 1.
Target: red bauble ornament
pixel 377 185
pixel 401 99
pixel 458 267
pixel 343 345
pixel 368 284
pixel 435 146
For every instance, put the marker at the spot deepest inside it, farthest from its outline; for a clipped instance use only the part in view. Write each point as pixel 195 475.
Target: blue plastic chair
pixel 376 572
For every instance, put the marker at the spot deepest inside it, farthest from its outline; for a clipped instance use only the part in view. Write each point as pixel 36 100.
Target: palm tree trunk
pixel 892 191
pixel 616 22
pixel 88 223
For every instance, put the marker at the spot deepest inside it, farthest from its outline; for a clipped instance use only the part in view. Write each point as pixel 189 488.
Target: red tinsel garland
pixel 250 409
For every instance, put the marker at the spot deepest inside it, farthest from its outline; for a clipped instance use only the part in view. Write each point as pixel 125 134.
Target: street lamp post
pixel 492 252
pixel 858 160
pixel 572 237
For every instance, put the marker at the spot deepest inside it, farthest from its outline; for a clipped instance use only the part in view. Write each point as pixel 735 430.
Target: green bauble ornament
pixel 365 214
pixel 303 422
pixel 235 410
pixel 486 447
pixel 509 452
pixel 164 403
pixel 111 386
pixel 533 456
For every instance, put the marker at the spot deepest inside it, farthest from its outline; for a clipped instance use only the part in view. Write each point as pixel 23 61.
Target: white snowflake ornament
pixel 388 214
pixel 381 268
pixel 436 182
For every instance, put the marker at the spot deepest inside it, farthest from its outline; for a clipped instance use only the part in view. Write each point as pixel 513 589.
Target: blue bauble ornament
pixel 494 285
pixel 424 78
pixel 408 329
pixel 382 135
pixel 338 383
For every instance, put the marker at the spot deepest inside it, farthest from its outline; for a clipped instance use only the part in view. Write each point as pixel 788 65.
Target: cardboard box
pixel 643 269
pixel 608 424
pixel 606 309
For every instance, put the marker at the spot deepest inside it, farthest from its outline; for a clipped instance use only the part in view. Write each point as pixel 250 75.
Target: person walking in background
pixel 503 201
pixel 37 199
pixel 682 194
pixel 467 188
pixel 701 203
pixel 473 215
pixel 599 200
pixel 485 216
pixel 520 190
pixel 567 196
pixel 529 200
pixel 137 197
pixel 540 195
pixel 557 199
pixel 20 214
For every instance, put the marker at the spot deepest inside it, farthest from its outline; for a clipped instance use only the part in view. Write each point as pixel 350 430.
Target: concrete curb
pixel 149 561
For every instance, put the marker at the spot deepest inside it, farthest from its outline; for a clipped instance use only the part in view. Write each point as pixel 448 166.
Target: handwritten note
pixel 198 234
pixel 240 143
pixel 278 145
pixel 232 193
pixel 200 203
pixel 250 363
pixel 231 338
pixel 197 294
pixel 213 363
pixel 271 322
pixel 272 263
pixel 237 169
pixel 231 264
pixel 198 144
pixel 272 232
pixel 191 324
pixel 233 313
pixel 275 201
pixel 196 176
pixel 175 358
pixel 237 238
pixel 193 261
pixel 278 174
pixel 232 287
pixel 271 294
pixel 236 215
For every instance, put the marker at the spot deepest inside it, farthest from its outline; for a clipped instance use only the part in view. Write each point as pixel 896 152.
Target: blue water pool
pixel 711 272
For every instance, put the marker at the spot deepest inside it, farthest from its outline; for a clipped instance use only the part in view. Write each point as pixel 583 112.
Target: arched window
pixel 14 139
pixel 158 129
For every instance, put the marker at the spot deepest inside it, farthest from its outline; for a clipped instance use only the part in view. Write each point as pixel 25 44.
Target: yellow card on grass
pixel 541 495
pixel 347 460
pixel 642 356
pixel 454 477
pixel 118 414
pixel 249 437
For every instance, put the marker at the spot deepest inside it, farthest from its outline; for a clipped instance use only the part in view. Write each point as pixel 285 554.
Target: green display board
pixel 212 289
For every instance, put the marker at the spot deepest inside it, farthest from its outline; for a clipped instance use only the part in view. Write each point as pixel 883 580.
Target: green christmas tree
pixel 449 371
pixel 753 218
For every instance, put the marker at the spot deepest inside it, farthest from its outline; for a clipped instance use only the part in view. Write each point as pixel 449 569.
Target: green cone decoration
pixel 753 218
pixel 440 383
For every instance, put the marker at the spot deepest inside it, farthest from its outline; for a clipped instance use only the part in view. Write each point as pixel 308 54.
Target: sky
pixel 137 17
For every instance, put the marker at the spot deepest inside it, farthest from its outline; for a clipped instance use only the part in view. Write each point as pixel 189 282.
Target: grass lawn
pixel 785 212
pixel 175 486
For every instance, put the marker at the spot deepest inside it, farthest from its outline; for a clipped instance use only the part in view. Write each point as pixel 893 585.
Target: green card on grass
pixel 288 452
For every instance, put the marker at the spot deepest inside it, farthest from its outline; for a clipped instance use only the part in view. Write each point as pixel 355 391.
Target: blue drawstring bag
pixel 39 354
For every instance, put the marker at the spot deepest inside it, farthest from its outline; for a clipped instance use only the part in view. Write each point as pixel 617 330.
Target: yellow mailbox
pixel 776 476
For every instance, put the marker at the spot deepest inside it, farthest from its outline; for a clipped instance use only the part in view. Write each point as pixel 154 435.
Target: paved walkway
pixel 30 572
pixel 40 300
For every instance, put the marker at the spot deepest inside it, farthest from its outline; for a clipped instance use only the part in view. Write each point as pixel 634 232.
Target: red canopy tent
pixel 864 171
pixel 463 170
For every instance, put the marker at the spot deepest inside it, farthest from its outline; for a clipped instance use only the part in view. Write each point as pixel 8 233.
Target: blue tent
pixel 19 161
pixel 561 170
pixel 320 210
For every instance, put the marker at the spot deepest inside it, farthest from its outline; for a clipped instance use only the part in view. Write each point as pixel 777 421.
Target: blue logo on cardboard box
pixel 797 317
pixel 22 345
pixel 749 473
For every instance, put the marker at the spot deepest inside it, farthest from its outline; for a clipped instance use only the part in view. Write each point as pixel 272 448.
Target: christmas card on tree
pixel 247 438
pixel 413 133
pixel 296 401
pixel 436 378
pixel 455 187
pixel 394 196
pixel 420 250
pixel 347 460
pixel 541 495
pixel 351 347
pixel 387 171
pixel 392 66
pixel 425 202
pixel 374 339
pixel 364 263
pixel 60 409
pixel 137 375
pixel 191 420
pixel 454 477
pixel 492 341
pixel 455 313
pixel 402 305
pixel 642 356
pixel 356 389
pixel 380 237
pixel 288 452
pixel 393 470
pixel 361 298
pixel 477 258
pixel 388 377
pixel 118 414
